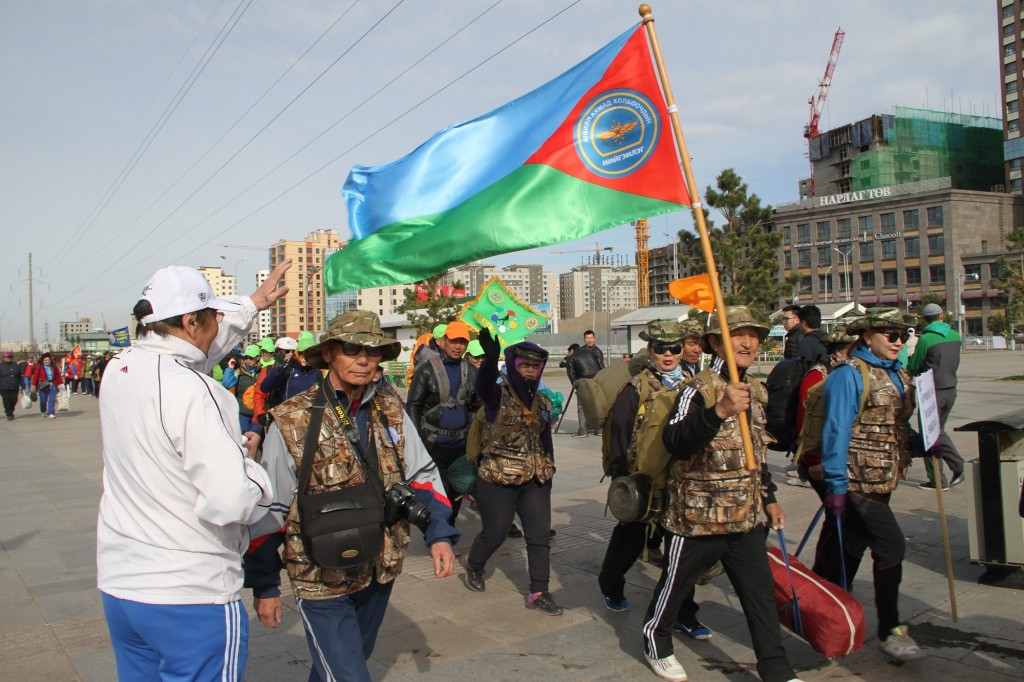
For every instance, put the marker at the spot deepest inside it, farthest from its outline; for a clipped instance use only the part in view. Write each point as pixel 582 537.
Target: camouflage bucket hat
pixel 738 316
pixel 839 338
pixel 355 326
pixel 878 318
pixel 671 330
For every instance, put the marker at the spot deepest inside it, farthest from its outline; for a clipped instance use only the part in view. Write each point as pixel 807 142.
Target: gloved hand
pixel 492 349
pixel 835 503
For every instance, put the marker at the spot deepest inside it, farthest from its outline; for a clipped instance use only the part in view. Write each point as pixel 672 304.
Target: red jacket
pixel 39 376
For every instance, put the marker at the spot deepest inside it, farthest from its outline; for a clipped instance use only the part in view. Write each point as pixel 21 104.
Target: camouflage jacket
pixel 335 466
pixel 879 453
pixel 514 453
pixel 711 492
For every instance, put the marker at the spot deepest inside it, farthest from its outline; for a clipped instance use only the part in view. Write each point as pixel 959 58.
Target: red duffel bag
pixel 825 615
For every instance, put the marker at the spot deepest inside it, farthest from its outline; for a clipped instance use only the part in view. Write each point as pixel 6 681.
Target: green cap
pixel 739 316
pixel 439 330
pixel 266 344
pixel 474 348
pixel 304 341
pixel 252 351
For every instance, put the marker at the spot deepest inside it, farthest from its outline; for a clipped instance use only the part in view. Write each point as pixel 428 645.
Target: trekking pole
pixel 936 466
pixel 798 625
pixel 842 554
pixel 565 408
pixel 810 528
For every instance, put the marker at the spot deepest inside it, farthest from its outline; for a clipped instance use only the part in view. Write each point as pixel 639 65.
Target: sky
pixel 136 134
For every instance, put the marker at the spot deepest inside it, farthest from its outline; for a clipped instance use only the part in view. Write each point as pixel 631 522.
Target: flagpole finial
pixel 645 12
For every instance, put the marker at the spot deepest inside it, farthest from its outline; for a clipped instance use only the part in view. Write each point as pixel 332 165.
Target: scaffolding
pixel 914 145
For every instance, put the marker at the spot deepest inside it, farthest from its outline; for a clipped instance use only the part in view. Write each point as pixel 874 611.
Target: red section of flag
pixel 661 176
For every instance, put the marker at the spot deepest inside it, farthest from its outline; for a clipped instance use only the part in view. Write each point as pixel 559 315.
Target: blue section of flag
pixel 465 158
pixel 119 338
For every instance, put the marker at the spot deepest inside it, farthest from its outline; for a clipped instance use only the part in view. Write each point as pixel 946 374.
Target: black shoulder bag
pixel 343 528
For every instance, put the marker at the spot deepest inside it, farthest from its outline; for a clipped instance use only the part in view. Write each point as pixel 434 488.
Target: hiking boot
pixel 698 631
pixel 474 577
pixel 930 485
pixel 544 603
pixel 668 668
pixel 514 532
pixel 710 574
pixel 957 480
pixel 899 646
pixel 616 604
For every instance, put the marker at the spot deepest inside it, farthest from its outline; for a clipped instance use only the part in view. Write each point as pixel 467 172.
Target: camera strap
pixel 316 418
pixel 367 458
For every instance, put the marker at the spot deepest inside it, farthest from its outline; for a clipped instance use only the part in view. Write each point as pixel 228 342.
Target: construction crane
pixel 817 102
pixel 643 269
pixel 596 251
pixel 243 246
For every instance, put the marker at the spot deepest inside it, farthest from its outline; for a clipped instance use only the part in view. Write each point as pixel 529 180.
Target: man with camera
pixel 363 475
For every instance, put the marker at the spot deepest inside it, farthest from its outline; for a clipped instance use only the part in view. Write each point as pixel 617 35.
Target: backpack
pixel 641 495
pixel 783 385
pixel 249 397
pixel 809 439
pixel 597 394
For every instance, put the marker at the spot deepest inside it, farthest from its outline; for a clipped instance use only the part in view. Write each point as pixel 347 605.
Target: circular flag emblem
pixel 616 133
pixel 495 296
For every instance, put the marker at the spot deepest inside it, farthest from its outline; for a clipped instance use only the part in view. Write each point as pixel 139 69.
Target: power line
pixel 222 136
pixel 172 106
pixel 348 151
pixel 65 247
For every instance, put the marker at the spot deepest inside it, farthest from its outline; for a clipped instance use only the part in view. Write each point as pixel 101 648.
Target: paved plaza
pixel 53 627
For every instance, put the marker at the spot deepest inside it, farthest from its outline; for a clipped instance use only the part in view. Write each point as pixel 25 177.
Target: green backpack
pixel 809 439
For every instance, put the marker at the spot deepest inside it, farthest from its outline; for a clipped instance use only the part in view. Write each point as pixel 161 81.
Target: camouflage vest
pixel 514 453
pixel 879 441
pixel 655 386
pixel 336 466
pixel 712 492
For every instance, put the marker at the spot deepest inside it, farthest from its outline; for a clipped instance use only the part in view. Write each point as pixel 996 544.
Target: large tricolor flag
pixel 590 150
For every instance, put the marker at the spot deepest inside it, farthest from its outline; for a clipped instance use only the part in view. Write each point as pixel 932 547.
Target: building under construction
pixel 905 206
pixel 910 145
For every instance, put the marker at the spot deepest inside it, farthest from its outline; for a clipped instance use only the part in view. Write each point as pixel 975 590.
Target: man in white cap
pixel 179 484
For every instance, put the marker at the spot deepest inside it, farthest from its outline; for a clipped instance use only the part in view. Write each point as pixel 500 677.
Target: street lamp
pixel 309 296
pixel 234 268
pixel 960 277
pixel 672 245
pixel 608 306
pixel 846 267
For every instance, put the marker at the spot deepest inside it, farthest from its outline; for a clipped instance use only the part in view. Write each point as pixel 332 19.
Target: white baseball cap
pixel 286 343
pixel 178 289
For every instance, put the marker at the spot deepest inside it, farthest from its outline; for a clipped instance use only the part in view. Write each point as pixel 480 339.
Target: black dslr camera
pixel 400 503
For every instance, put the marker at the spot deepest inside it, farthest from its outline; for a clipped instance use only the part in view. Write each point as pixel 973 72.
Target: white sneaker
pixel 51 416
pixel 668 668
pixel 900 646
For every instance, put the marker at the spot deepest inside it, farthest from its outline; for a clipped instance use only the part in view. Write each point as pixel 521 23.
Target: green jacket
pixel 938 349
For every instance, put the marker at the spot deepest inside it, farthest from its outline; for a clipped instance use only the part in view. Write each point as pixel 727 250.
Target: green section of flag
pixel 503 313
pixel 533 206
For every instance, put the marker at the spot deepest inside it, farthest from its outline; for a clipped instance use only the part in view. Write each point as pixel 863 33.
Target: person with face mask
pixel 515 467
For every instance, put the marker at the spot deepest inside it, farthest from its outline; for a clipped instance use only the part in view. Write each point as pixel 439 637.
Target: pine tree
pixel 745 250
pixel 1011 280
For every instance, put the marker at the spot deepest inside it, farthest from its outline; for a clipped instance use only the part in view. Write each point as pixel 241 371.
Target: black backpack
pixel 783 402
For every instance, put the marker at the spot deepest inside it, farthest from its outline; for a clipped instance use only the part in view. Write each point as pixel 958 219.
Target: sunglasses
pixel 894 336
pixel 673 348
pixel 353 349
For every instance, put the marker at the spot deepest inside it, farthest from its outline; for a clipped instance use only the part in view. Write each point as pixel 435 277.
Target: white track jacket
pixel 178 490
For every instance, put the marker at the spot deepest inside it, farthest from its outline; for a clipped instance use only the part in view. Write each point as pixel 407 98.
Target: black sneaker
pixel 514 532
pixel 656 557
pixel 474 577
pixel 957 480
pixel 930 485
pixel 545 603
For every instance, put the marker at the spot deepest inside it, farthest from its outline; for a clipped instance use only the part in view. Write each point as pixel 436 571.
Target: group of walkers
pixel 323 475
pixel 41 379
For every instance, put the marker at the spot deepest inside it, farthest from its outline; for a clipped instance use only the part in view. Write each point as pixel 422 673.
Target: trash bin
pixel 995 530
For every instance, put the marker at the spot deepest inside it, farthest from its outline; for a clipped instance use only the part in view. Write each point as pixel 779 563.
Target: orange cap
pixel 457 330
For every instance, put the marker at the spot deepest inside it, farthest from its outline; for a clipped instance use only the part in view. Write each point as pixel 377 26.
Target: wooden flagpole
pixel 937 470
pixel 702 228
